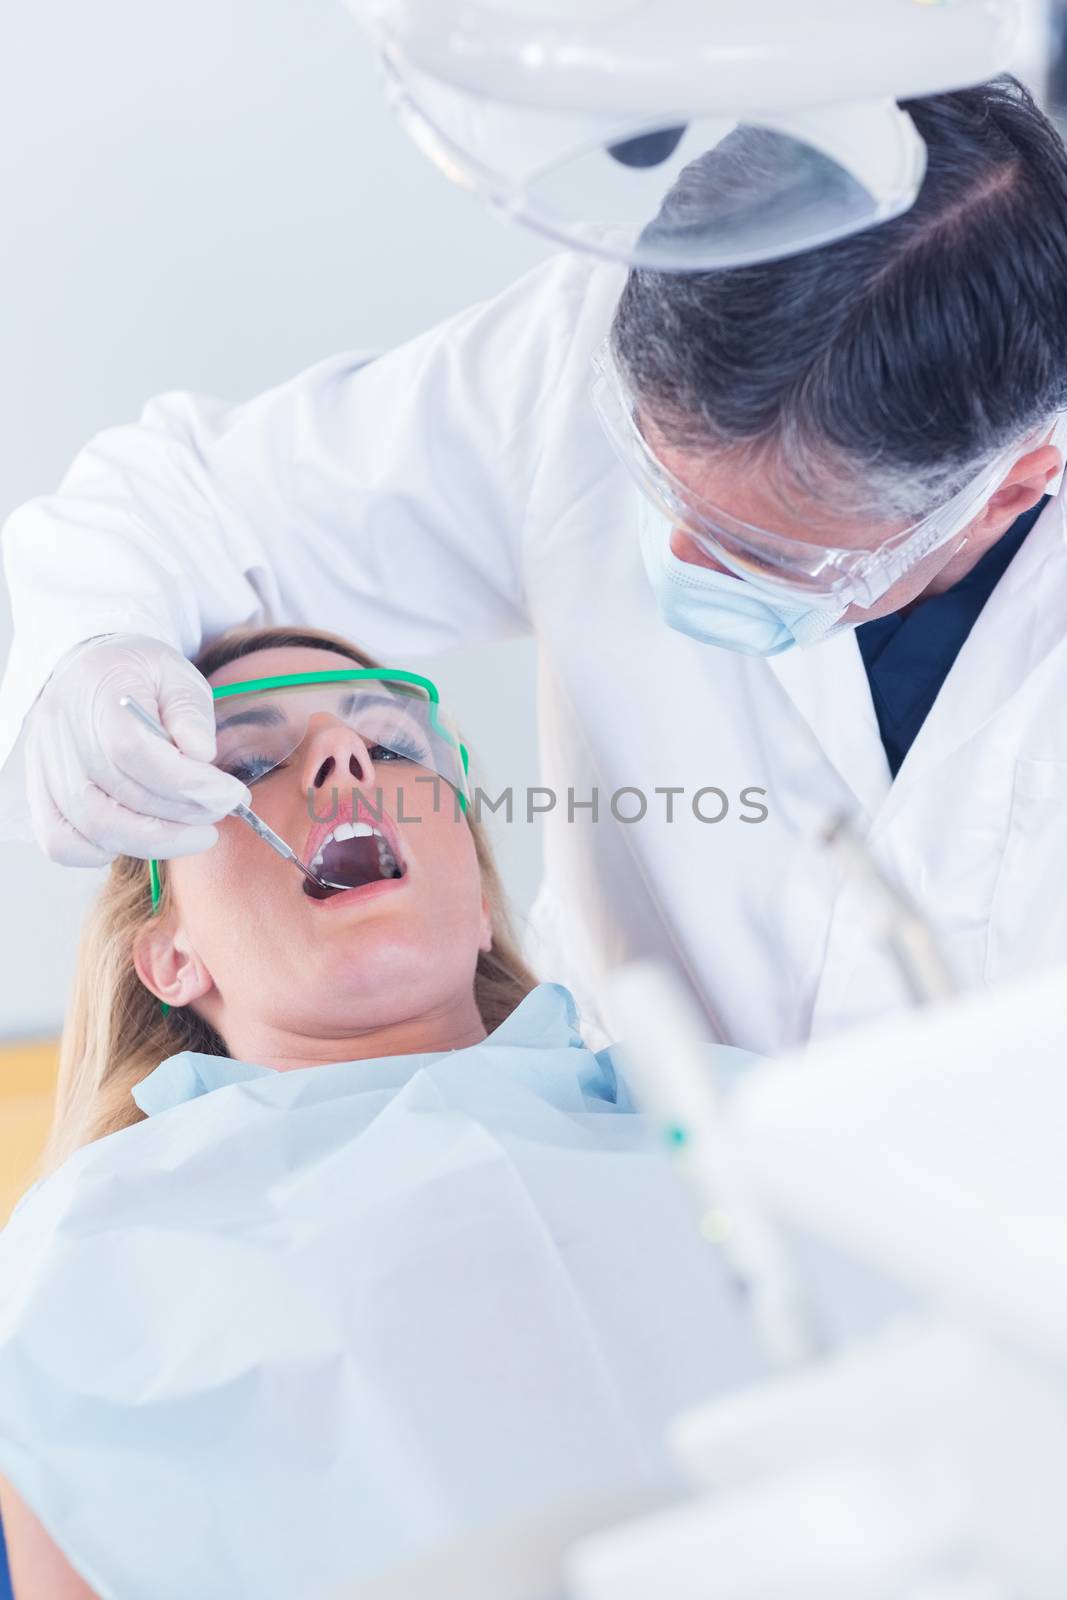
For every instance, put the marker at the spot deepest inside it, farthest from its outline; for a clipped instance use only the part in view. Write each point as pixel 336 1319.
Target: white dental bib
pixel 297 1327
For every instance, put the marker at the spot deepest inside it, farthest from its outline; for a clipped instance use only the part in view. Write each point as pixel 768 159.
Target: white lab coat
pixel 460 489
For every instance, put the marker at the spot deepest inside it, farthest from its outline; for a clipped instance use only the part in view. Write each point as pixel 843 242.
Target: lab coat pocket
pixel 1028 915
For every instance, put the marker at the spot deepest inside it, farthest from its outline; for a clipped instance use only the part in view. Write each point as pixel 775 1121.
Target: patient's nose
pixel 335 755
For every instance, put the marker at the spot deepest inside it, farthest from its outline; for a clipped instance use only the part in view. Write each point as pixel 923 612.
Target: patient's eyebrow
pixel 263 716
pixel 360 697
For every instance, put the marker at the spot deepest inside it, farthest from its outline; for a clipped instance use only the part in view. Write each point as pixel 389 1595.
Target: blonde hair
pixel 115 1032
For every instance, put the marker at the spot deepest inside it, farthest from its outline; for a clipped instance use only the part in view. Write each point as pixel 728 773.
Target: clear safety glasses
pixel 396 715
pixel 774 561
pixel 671 194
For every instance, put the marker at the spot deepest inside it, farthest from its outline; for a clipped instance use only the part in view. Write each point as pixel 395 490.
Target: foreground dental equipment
pixel 682 135
pixel 246 814
pixel 907 932
pixel 925 1456
pixel 668 1067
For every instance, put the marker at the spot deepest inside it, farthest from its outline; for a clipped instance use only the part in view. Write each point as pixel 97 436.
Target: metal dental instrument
pixel 908 934
pixel 258 826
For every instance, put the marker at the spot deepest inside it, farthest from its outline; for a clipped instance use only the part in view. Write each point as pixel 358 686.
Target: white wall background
pixel 211 195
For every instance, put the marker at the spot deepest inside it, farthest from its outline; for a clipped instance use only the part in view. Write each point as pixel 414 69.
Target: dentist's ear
pixel 1023 487
pixel 166 963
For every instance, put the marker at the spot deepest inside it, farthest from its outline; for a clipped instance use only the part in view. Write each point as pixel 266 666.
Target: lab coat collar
pixel 544 1020
pixel 1024 619
pixel 828 685
pixel 1022 622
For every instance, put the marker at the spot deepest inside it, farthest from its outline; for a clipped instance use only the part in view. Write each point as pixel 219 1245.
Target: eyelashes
pixel 251 768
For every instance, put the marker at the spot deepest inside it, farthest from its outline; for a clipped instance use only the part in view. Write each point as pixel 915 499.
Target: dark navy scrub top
pixel 908 658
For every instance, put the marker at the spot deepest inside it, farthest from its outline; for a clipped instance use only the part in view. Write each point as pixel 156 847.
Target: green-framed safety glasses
pixel 396 714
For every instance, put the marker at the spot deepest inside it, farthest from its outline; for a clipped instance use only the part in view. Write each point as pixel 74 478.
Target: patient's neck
pixel 451 1026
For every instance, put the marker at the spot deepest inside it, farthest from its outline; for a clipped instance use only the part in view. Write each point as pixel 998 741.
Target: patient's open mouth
pixel 354 854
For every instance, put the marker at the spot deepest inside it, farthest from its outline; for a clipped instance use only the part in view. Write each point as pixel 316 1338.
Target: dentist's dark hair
pixel 887 368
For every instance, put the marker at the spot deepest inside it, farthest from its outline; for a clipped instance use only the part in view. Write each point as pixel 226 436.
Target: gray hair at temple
pixel 888 369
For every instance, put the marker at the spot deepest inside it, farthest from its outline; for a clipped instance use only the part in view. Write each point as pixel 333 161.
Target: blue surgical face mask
pixel 717 608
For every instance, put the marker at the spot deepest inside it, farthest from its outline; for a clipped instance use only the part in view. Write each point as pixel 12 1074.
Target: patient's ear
pixel 486 940
pixel 166 963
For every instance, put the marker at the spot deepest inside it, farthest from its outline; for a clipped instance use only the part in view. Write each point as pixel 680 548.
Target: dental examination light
pixel 683 135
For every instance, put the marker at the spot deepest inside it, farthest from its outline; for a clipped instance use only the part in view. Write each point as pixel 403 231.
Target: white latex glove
pixel 100 784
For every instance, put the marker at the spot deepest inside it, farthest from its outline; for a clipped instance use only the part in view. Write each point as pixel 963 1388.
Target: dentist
pixel 787 535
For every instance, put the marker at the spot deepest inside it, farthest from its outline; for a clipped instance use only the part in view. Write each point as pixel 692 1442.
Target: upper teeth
pixel 357 830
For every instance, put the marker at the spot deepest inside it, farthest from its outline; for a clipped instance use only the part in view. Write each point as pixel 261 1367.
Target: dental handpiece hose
pixel 910 937
pixel 246 814
pixel 667 1062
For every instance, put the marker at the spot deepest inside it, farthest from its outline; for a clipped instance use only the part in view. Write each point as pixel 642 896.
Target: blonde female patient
pixel 347 1247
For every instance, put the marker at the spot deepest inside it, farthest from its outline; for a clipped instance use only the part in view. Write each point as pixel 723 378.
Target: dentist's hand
pixel 99 784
